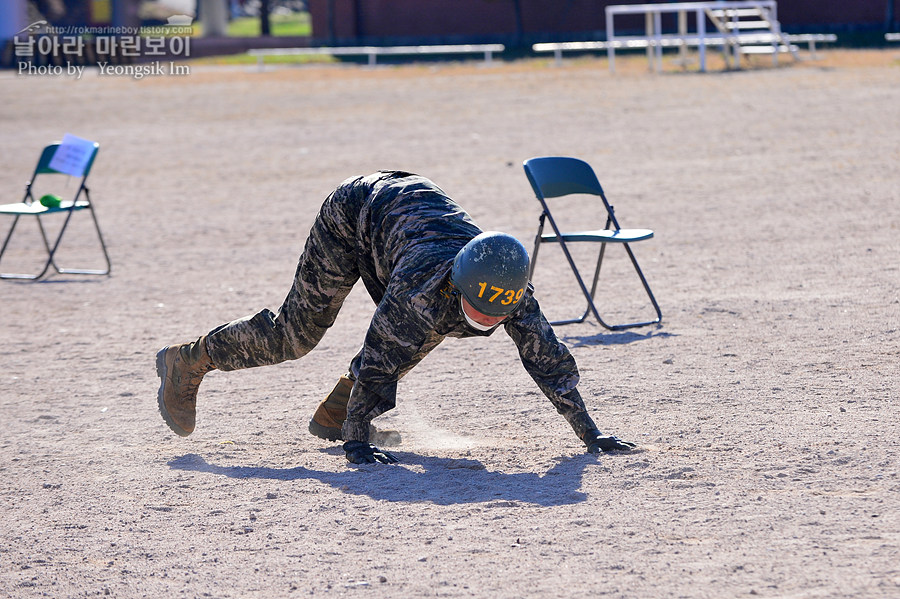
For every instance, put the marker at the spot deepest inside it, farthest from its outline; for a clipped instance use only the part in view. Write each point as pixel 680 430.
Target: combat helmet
pixel 491 273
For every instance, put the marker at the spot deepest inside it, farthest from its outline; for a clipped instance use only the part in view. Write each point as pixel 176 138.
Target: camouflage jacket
pixel 407 234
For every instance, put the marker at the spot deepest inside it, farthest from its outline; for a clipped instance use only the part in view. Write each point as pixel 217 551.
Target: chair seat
pixel 604 235
pixel 38 208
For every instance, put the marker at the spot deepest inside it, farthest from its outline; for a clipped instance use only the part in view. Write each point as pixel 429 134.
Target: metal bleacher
pixel 738 28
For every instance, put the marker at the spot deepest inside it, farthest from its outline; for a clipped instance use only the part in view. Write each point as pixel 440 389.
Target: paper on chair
pixel 72 155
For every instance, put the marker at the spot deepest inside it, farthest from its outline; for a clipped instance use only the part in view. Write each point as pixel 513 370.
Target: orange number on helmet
pixel 498 290
pixel 510 297
pixel 519 294
pixel 482 285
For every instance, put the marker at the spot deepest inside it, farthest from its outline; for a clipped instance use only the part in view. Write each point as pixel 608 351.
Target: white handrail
pixel 374 51
pixel 675 41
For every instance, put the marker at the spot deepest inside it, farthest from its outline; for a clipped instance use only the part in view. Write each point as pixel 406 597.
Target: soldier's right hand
pixel 366 453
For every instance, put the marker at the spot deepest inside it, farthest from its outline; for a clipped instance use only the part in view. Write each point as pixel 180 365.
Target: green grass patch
pixel 246 59
pixel 294 24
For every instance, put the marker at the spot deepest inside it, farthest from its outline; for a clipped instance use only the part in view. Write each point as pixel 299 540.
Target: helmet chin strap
pixel 475 325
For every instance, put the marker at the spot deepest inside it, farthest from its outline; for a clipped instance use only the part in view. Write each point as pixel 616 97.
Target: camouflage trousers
pixel 326 272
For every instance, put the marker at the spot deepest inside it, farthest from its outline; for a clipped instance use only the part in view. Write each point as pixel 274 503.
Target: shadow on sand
pixel 439 480
pixel 612 338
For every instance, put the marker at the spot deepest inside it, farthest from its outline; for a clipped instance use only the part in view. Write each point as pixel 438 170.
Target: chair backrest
pixel 43 166
pixel 555 176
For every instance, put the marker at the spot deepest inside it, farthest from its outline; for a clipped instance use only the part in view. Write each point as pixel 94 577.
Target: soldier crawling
pixel 432 273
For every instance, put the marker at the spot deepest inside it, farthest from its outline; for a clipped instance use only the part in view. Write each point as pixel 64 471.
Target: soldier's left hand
pixel 595 441
pixel 366 453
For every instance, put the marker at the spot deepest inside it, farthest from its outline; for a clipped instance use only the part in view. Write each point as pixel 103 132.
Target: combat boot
pixel 329 417
pixel 181 368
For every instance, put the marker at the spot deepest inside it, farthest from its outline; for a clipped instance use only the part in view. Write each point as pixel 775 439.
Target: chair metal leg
pixel 590 295
pixel 51 251
pixel 581 284
pixel 25 276
pixel 77 271
pixel 534 254
pixel 8 236
pixel 590 300
pixel 646 285
pixel 630 325
pixel 537 246
pixel 590 305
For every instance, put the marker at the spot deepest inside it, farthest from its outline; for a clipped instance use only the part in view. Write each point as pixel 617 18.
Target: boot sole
pixel 324 432
pixel 161 372
pixel 379 437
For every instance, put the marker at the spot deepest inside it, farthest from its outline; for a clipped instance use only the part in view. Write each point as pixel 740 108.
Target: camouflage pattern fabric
pixel 399 233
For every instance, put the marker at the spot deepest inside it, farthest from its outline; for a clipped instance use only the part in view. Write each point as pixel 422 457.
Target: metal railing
pixel 374 51
pixel 558 48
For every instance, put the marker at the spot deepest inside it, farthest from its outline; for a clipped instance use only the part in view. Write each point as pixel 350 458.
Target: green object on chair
pixel 51 200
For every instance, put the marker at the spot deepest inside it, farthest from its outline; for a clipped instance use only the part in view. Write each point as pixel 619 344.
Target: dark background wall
pixel 526 21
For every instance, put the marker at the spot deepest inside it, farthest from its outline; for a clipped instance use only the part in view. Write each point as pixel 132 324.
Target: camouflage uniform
pixel 399 233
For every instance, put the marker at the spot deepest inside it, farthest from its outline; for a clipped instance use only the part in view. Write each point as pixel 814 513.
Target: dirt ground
pixel 765 405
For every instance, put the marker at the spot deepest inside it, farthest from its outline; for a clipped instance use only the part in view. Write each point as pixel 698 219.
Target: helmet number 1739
pixel 509 295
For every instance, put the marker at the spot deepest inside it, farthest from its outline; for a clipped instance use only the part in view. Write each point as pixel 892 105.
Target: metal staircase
pixel 753 29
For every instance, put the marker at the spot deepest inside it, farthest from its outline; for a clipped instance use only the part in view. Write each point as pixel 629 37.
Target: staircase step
pixel 748 25
pixel 767 49
pixel 736 12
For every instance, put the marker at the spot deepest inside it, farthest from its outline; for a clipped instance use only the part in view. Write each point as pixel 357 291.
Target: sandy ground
pixel 765 405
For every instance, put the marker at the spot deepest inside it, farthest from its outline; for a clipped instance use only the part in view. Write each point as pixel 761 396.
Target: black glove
pixel 366 453
pixel 597 442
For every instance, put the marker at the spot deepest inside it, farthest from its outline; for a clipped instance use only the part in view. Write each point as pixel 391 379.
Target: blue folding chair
pixel 52 204
pixel 552 177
